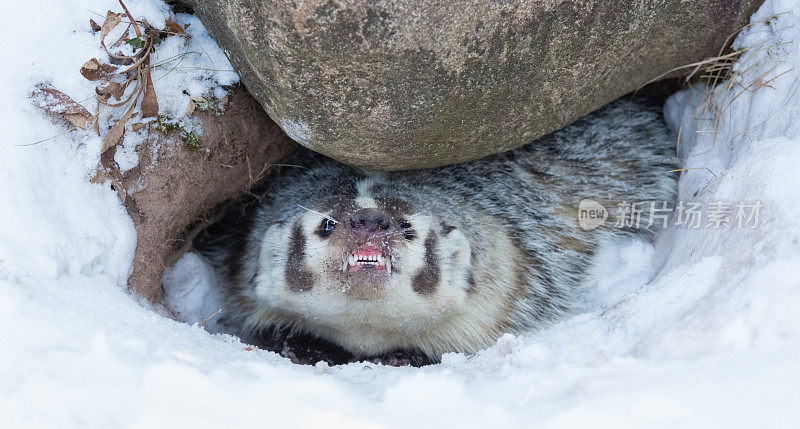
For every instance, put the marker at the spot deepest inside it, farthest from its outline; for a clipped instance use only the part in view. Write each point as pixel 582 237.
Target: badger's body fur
pixel 446 259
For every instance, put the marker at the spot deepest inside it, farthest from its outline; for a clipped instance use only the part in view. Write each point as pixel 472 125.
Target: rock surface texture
pixel 397 84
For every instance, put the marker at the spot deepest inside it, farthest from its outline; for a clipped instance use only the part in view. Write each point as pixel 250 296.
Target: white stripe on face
pixel 364 195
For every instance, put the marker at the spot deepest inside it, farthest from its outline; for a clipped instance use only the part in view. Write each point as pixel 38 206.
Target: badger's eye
pixel 326 228
pixel 408 233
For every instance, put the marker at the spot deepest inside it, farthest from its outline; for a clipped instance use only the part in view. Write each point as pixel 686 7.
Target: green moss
pixel 166 125
pixel 191 141
pixel 209 103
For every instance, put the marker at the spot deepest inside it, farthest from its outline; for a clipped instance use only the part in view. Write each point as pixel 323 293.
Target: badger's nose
pixel 369 220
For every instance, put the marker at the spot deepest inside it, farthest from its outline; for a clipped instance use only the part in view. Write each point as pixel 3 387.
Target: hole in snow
pixel 190 285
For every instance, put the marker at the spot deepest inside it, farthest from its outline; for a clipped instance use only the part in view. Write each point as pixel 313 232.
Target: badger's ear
pixel 455 254
pixel 453 245
pixel 272 256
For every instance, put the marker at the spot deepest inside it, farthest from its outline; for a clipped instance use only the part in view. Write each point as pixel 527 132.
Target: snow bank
pixel 698 329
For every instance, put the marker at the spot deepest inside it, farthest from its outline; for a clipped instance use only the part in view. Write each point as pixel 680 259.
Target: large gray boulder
pixel 397 84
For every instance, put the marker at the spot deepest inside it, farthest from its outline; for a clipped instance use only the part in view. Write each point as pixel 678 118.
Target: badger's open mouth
pixel 368 258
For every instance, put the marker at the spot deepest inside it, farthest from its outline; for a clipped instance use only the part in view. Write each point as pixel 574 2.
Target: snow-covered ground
pixel 700 329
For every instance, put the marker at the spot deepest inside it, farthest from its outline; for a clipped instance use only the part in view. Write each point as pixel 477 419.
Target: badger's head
pixel 369 269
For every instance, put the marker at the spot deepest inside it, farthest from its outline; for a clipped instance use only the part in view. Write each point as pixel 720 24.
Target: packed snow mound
pixel 699 328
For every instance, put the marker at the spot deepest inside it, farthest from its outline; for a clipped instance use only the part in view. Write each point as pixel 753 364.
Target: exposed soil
pixel 174 187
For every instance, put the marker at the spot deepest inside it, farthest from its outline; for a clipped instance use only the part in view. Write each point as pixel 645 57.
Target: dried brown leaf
pixel 115 133
pixel 138 126
pixel 100 175
pixel 95 26
pixel 81 121
pixel 94 70
pixel 112 20
pixel 190 108
pixel 137 91
pixel 173 27
pixel 56 102
pixel 108 89
pixel 149 107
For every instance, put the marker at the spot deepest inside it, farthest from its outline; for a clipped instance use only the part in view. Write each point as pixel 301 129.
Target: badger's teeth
pixel 375 259
pixel 388 265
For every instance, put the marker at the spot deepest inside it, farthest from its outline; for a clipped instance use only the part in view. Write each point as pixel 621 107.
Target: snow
pixel 189 291
pixel 699 328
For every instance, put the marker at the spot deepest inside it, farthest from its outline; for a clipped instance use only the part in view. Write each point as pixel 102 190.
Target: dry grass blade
pixel 693 168
pixel 734 69
pixel 209 317
pixel 133 93
pixel 713 62
pixel 719 64
pixel 115 133
pixel 146 50
pixel 133 21
pixel 122 38
pixel 97 120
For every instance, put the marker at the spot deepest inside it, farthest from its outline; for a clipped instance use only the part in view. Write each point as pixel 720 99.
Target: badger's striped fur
pixel 446 259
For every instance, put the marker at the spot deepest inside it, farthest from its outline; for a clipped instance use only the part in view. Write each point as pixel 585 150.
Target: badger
pixel 445 259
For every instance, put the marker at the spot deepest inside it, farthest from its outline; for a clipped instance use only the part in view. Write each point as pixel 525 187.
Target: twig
pixel 209 318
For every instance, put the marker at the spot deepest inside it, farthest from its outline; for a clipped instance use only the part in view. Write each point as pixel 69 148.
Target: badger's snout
pixel 369 240
pixel 369 221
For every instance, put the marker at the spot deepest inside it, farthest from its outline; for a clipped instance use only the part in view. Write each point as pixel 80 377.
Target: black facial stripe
pixel 426 281
pixel 298 277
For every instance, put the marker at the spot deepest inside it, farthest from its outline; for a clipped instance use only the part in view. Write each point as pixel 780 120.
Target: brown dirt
pixel 173 187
